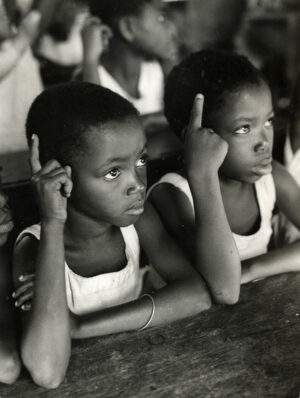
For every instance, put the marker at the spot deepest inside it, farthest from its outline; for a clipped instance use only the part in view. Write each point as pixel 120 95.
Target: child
pixel 9 358
pixel 220 207
pixel 122 54
pixel 85 252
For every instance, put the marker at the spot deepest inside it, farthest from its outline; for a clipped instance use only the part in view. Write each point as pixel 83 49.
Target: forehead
pixel 124 139
pixel 247 100
pixel 152 6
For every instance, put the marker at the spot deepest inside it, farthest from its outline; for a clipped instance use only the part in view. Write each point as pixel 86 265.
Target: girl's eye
pixel 242 130
pixel 142 161
pixel 270 122
pixel 112 174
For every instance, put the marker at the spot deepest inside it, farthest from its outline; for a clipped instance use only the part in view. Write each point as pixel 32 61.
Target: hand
pixel 29 27
pixel 52 184
pixel 204 150
pixel 95 37
pixel 23 295
pixel 6 223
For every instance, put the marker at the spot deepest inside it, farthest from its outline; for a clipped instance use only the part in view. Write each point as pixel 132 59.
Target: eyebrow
pixel 120 159
pixel 247 119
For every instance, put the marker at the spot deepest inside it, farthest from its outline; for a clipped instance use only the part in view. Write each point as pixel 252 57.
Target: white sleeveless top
pixel 248 245
pixel 151 87
pixel 90 294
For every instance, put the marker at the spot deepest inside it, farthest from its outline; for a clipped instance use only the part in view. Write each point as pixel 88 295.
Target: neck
pixel 124 64
pixel 234 186
pixel 80 227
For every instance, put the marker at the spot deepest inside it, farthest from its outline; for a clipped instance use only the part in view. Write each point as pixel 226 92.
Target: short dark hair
pixel 110 11
pixel 62 115
pixel 212 73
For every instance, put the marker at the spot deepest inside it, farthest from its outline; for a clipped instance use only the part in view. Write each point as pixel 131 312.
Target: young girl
pixel 9 358
pixel 220 207
pixel 86 251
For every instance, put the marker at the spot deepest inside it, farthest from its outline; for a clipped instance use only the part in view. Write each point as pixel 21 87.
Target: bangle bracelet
pixel 152 311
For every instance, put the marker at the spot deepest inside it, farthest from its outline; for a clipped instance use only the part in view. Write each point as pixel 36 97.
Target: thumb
pixel 197 112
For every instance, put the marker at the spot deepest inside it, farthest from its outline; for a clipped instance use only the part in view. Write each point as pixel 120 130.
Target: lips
pixel 263 167
pixel 137 207
pixel 266 161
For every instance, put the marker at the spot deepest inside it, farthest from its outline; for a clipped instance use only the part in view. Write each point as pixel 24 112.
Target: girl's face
pixel 154 33
pixel 110 180
pixel 245 121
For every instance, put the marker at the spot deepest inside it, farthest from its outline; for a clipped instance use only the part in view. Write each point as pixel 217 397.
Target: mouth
pixel 6 226
pixel 137 208
pixel 263 167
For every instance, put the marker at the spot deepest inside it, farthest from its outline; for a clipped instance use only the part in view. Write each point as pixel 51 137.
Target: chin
pixel 126 221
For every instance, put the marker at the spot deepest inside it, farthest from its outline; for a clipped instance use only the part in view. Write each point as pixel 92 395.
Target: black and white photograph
pixel 150 198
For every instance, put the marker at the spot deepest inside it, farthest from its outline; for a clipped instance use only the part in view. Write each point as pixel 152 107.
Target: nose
pixel 263 144
pixel 136 185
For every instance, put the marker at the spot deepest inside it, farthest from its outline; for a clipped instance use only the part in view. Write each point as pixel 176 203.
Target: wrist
pixel 202 176
pixel 53 224
pixel 91 59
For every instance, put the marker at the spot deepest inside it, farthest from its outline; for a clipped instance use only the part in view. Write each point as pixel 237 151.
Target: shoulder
pixel 287 189
pixel 282 178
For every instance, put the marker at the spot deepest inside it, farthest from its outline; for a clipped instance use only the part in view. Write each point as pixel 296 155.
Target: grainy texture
pixel 251 349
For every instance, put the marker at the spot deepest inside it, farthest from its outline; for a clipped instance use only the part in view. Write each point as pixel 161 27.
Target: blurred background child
pixel 140 39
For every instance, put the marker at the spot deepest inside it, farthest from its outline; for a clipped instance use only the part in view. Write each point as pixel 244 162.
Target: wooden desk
pixel 251 349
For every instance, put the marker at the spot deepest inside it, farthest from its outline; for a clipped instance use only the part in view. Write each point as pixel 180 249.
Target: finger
pixel 24 298
pixel 26 277
pixel 58 183
pixel 23 288
pixel 68 186
pixel 35 164
pixel 26 307
pixel 6 228
pixel 50 166
pixel 197 111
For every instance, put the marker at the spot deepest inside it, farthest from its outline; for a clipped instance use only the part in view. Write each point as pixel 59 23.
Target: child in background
pixel 220 207
pixel 10 364
pixel 123 53
pixel 85 253
pixel 59 49
pixel 20 82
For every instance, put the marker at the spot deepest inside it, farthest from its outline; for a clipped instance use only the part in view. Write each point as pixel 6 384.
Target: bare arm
pixel 184 295
pixel 95 37
pixel 205 235
pixel 286 259
pixel 10 365
pixel 46 337
pixel 11 50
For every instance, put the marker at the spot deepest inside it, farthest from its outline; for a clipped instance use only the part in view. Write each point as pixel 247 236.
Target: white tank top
pixel 248 245
pixel 150 86
pixel 90 294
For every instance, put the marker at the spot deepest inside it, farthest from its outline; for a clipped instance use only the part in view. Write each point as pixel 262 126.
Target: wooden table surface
pixel 251 349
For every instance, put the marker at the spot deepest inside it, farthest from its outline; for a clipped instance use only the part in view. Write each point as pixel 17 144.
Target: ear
pixel 126 28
